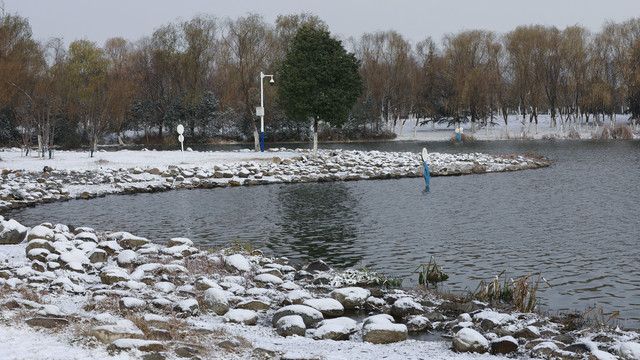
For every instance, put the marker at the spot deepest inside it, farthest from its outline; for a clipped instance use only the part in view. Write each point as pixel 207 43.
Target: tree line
pixel 204 73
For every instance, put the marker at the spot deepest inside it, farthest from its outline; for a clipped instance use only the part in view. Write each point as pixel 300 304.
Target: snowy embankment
pixel 80 293
pixel 70 175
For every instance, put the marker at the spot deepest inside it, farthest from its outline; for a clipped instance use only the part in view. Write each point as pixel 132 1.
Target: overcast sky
pixel 414 19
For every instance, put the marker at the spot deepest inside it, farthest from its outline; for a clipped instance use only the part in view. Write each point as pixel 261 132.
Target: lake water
pixel 575 222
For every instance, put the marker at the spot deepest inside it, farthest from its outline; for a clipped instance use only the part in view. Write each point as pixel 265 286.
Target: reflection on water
pixel 319 221
pixel 575 222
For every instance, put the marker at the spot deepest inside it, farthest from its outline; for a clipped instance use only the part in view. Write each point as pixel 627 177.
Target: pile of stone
pixel 136 292
pixel 20 188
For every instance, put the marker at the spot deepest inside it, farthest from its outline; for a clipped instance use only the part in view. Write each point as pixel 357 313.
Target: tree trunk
pixel 256 139
pixel 315 138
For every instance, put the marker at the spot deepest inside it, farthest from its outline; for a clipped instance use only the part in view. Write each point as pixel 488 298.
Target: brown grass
pixel 463 138
pixel 622 132
pixel 201 265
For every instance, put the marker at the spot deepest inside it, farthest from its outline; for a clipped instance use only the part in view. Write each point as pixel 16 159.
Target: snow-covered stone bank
pixel 71 175
pixel 89 294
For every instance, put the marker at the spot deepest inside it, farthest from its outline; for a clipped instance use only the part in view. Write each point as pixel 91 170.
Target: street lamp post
pixel 260 110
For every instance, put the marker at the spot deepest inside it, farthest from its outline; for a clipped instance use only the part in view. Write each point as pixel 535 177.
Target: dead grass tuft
pixel 520 293
pixel 622 132
pixel 102 162
pixel 463 138
pixel 201 265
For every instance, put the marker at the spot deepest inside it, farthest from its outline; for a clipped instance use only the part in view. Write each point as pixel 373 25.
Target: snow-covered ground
pixel 498 131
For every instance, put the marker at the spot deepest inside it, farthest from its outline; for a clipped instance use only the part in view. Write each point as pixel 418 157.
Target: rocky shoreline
pixel 19 188
pixel 122 293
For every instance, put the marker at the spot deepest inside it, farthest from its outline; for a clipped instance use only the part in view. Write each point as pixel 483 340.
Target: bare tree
pixel 249 41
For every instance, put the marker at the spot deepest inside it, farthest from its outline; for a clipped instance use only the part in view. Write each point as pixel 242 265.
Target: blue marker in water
pixel 427 176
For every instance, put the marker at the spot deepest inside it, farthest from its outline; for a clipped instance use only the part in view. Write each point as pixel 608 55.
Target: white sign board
pixel 259 111
pixel 180 129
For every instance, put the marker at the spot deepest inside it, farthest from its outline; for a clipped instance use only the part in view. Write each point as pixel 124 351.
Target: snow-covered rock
pixel 241 316
pixel 217 300
pixel 267 279
pixel 138 344
pixel 504 345
pixel 336 329
pixel 40 232
pixel 469 340
pixel 380 329
pixel 329 307
pixel 310 315
pixel 12 232
pixel 406 306
pixel 237 262
pixel 290 325
pixel 187 307
pixel 629 350
pixel 121 330
pixel 350 297
pixel 126 257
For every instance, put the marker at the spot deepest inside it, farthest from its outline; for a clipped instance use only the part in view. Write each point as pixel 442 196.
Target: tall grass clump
pixel 519 293
pixel 430 273
pixel 463 138
pixel 597 319
pixel 620 132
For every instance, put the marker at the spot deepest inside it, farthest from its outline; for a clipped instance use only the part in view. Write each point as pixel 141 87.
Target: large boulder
pixel 310 315
pixel 127 240
pixel 406 306
pixel 469 340
pixel 380 329
pixel 40 232
pixel 12 232
pixel 113 275
pixel 217 300
pixel 237 263
pixel 290 325
pixel 328 307
pixel 351 297
pixel 336 329
pixel 504 345
pixel 241 316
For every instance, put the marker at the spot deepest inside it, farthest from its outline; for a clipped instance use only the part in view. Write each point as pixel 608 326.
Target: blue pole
pixel 262 141
pixel 426 173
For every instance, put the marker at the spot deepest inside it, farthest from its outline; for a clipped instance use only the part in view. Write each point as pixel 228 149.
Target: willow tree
pixel 318 80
